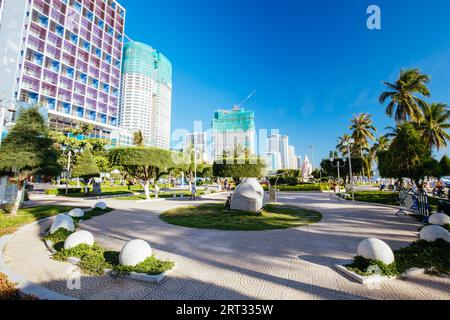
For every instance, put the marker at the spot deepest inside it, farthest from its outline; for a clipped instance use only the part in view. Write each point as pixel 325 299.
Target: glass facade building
pixel 146 97
pixel 231 128
pixel 66 56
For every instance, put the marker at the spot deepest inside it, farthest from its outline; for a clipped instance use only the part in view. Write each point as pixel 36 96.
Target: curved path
pixel 285 264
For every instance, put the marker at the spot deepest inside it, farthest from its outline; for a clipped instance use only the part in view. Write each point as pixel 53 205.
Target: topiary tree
pixel 143 164
pixel 239 169
pixel 28 151
pixel 444 165
pixel 86 168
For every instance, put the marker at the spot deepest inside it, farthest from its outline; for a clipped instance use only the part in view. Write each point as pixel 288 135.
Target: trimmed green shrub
pixel 361 266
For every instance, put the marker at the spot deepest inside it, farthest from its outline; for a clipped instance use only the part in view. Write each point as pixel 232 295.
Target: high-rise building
pixel 273 161
pixel 146 98
pixel 66 56
pixel 197 141
pixel 292 159
pixel 1 11
pixel 280 144
pixel 233 128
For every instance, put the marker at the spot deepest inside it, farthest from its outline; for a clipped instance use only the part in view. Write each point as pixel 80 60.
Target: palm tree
pixel 138 139
pixel 341 147
pixel 380 145
pixel 434 125
pixel 404 104
pixel 363 130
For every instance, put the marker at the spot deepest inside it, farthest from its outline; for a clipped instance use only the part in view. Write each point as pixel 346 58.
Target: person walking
pixel 193 192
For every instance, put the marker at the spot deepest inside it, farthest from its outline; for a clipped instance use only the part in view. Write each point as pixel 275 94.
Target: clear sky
pixel 313 63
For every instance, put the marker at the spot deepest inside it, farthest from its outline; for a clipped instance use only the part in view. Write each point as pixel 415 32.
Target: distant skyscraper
pixel 146 99
pixel 231 128
pixel 278 143
pixel 65 56
pixel 197 141
pixel 292 159
pixel 299 163
pixel 273 161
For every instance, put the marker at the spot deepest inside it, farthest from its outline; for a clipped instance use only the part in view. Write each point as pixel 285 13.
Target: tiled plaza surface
pixel 286 264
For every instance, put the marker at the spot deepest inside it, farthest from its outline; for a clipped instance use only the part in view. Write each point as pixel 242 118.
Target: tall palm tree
pixel 380 145
pixel 341 144
pixel 434 125
pixel 363 130
pixel 404 103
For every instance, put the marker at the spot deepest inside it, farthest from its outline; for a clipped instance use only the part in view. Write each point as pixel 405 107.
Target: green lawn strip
pixel 388 198
pixel 214 216
pixel 434 257
pixel 9 223
pixel 302 188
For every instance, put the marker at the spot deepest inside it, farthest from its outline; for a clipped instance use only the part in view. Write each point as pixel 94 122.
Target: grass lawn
pixel 388 198
pixel 214 216
pixel 9 224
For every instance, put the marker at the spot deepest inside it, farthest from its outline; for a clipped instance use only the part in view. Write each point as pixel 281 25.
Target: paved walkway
pixel 286 264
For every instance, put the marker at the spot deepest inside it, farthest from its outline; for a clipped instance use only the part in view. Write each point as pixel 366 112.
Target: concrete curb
pixel 26 287
pixel 364 280
pixel 372 204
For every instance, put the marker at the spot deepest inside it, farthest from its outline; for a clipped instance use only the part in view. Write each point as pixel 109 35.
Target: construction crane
pixel 245 100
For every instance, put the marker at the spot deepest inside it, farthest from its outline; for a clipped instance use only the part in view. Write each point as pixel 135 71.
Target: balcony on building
pixel 63 107
pixel 65 83
pixel 48 103
pixel 32 70
pixel 42 7
pixel 30 98
pixel 53 52
pixel 48 90
pixel 30 83
pixel 36 44
pixel 51 64
pixel 34 57
pixel 78 112
pixel 50 77
pixel 64 95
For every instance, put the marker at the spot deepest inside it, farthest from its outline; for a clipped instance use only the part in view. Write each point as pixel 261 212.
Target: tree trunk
pixel 19 199
pixel 147 189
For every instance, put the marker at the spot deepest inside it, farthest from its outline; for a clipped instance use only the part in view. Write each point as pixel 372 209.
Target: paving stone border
pixel 24 286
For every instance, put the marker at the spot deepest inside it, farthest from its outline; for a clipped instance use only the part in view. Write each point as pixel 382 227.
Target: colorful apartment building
pixel 66 56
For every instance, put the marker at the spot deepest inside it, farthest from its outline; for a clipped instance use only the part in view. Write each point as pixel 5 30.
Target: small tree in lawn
pixel 239 169
pixel 28 151
pixel 143 164
pixel 407 157
pixel 86 168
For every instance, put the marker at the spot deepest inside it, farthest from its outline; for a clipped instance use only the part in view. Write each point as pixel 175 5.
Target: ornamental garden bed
pixel 421 257
pixel 216 217
pixel 97 261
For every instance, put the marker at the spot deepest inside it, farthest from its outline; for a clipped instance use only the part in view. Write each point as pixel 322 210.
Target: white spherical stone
pixel 375 249
pixel 134 252
pixel 432 233
pixel 439 219
pixel 77 238
pixel 62 221
pixel 76 213
pixel 101 205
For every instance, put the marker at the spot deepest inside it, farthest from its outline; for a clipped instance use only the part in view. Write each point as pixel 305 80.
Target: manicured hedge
pixel 304 187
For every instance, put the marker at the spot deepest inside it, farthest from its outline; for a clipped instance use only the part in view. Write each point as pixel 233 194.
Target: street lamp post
pixel 338 166
pixel 348 144
pixel 312 154
pixel 69 162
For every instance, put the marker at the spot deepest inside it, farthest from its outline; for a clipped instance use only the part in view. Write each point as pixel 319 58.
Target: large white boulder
pixel 77 238
pixel 101 205
pixel 76 213
pixel 439 219
pixel 134 252
pixel 375 249
pixel 62 221
pixel 432 233
pixel 248 196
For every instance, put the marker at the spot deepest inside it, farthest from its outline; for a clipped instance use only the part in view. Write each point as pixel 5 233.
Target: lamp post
pixel 338 166
pixel 69 161
pixel 312 154
pixel 348 144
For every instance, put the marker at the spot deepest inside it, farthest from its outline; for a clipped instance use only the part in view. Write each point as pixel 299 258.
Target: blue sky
pixel 313 63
